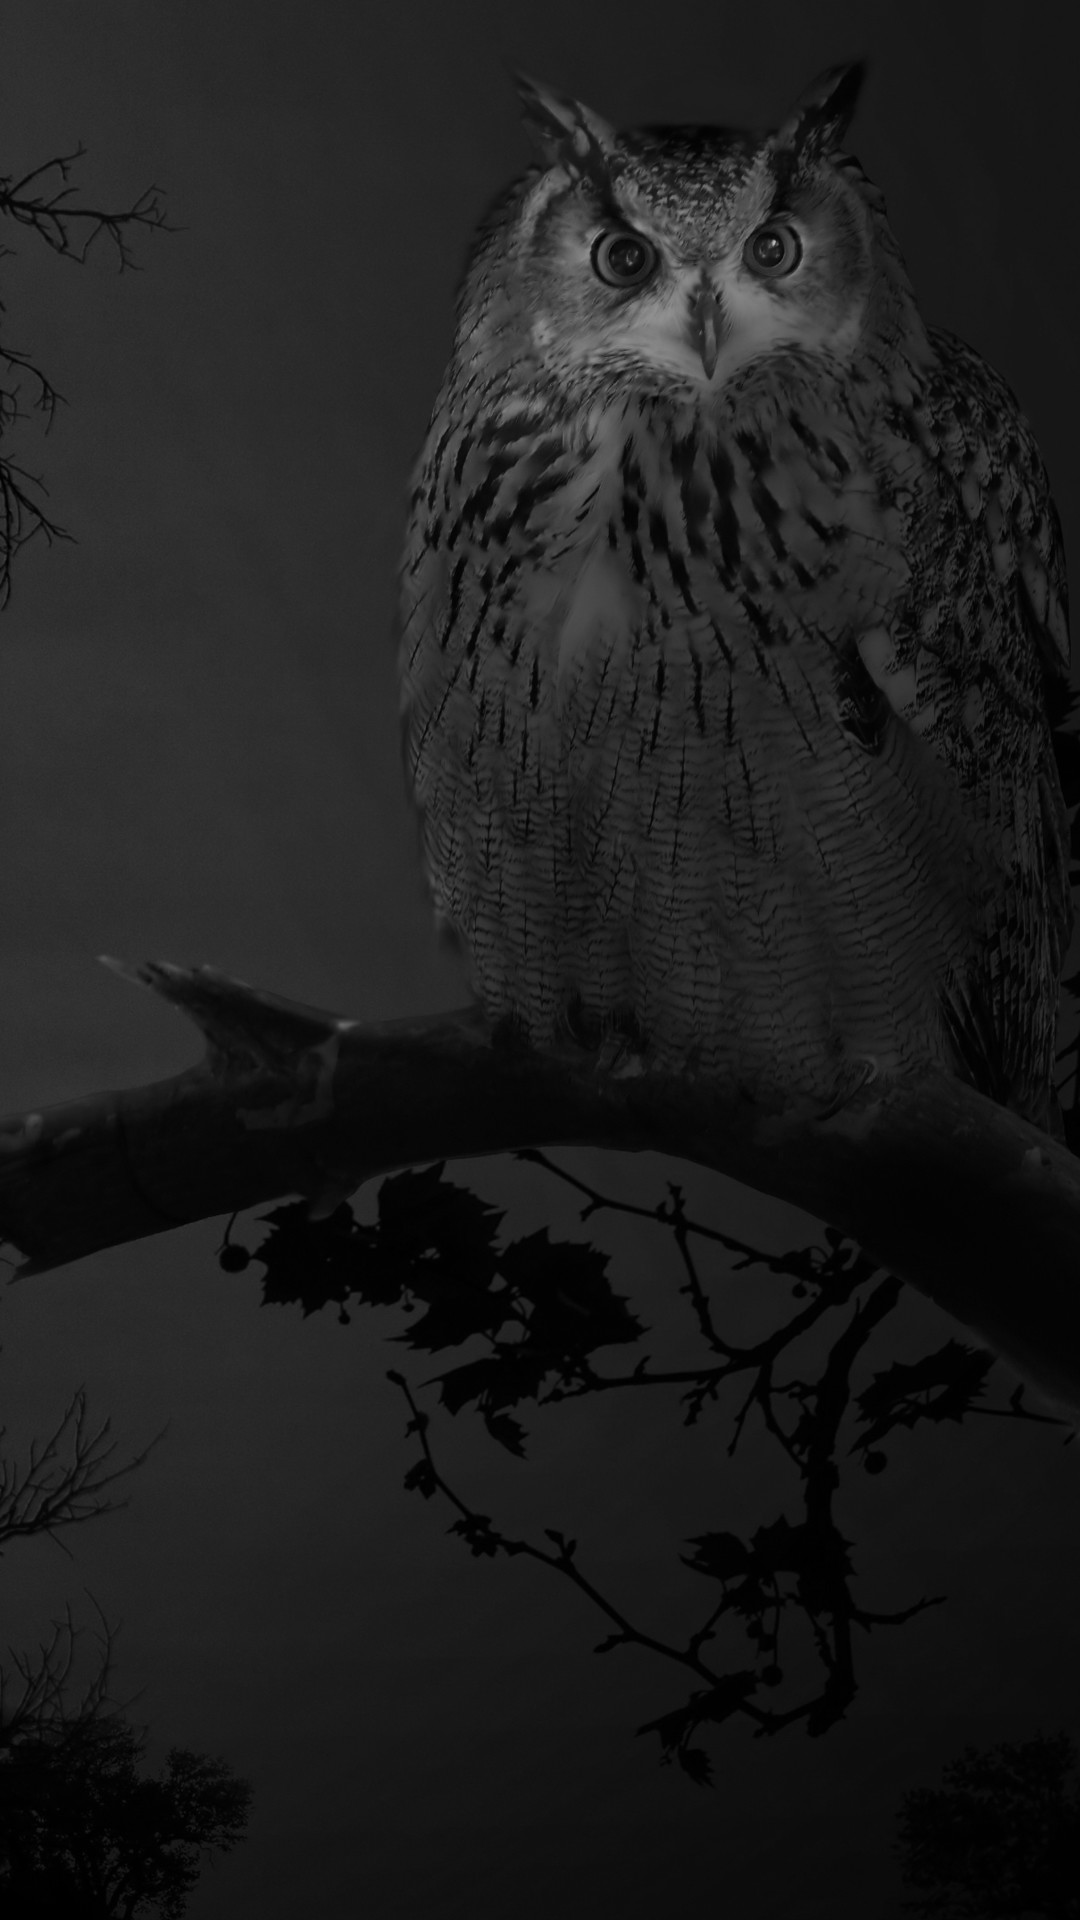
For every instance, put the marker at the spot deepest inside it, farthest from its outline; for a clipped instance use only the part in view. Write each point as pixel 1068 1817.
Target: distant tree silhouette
pixel 84 1833
pixel 1000 1838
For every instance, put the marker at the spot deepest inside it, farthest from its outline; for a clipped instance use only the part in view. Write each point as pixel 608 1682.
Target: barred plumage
pixel 731 599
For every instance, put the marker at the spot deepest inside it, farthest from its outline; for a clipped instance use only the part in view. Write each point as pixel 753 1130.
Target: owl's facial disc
pixel 651 278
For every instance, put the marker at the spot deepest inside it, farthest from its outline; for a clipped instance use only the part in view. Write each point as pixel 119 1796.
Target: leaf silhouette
pixel 574 1308
pixel 723 1555
pixel 942 1386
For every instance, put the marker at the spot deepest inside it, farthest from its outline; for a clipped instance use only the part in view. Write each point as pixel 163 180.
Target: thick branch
pixel 970 1204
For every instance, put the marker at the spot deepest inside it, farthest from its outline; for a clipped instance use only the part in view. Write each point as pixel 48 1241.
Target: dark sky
pixel 199 762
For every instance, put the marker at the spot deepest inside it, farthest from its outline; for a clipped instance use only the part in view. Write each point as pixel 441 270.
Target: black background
pixel 199 761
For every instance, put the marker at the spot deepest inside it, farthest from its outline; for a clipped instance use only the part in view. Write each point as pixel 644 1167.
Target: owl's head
pixel 677 256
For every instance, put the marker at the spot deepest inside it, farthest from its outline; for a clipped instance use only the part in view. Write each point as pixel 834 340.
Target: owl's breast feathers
pixel 732 730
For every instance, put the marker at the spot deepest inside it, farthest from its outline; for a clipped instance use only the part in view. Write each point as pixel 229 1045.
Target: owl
pixel 733 610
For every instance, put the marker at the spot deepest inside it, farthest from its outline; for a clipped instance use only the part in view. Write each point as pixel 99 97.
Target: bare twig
pixel 38 1697
pixel 66 1478
pixel 42 202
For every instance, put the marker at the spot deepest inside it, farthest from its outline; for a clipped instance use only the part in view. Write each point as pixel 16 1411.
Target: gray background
pixel 199 761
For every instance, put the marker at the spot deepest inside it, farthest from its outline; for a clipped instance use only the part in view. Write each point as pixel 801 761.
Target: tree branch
pixel 42 200
pixel 974 1207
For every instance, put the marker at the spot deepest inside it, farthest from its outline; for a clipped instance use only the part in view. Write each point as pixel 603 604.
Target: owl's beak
pixel 707 329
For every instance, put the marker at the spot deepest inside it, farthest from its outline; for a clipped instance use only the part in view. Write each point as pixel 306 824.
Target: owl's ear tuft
pixel 567 133
pixel 821 116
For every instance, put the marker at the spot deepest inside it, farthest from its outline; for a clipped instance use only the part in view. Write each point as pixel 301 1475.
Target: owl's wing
pixel 987 642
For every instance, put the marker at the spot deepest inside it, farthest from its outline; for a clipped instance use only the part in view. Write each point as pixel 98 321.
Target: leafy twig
pixel 548 1314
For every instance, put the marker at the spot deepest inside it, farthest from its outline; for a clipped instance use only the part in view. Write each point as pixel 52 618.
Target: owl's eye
pixel 623 259
pixel 773 251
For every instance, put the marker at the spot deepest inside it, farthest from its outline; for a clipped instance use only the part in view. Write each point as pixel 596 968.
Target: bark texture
pixel 970 1204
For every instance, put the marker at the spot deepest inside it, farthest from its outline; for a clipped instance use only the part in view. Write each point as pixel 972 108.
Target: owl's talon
pixel 865 1070
pixel 619 1058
